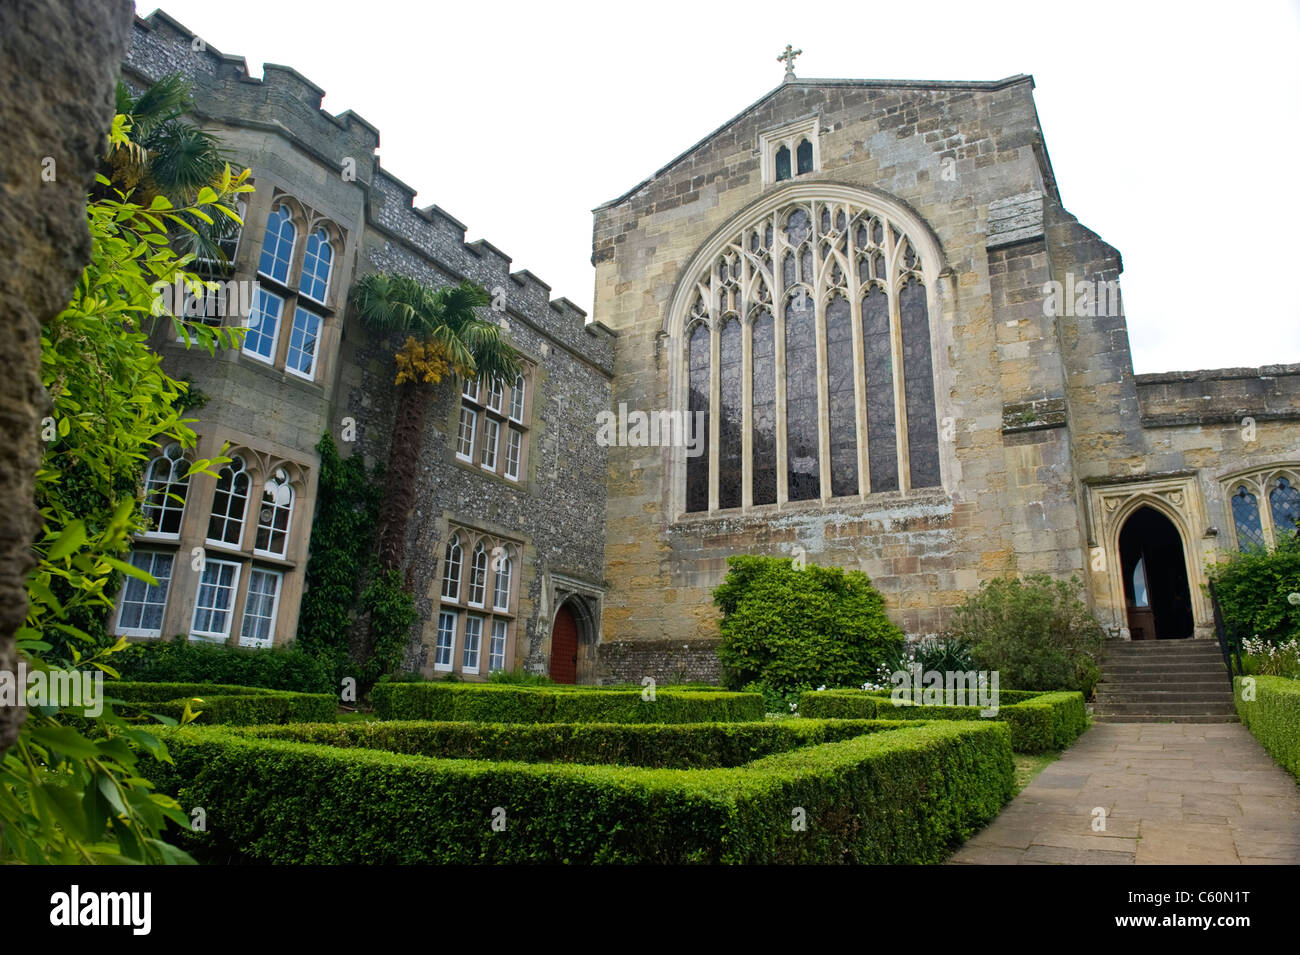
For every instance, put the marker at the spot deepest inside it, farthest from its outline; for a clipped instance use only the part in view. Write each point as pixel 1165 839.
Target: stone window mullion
pixel 715 401
pixel 896 346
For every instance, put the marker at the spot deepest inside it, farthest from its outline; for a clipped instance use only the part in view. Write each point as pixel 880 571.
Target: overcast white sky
pixel 1173 128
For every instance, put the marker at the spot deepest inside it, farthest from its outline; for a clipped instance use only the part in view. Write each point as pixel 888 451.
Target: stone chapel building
pixel 907 358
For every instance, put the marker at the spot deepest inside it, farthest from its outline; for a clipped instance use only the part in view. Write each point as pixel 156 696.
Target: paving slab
pixel 1171 794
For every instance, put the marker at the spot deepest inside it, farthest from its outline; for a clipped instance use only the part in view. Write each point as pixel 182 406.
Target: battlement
pixel 287 103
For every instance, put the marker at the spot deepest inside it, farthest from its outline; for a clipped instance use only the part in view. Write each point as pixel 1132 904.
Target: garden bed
pixel 1039 721
pixel 906 793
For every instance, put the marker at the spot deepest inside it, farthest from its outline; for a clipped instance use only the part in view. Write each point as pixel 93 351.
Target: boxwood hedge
pixel 1273 716
pixel 235 705
pixel 668 746
pixel 1038 721
pixel 490 703
pixel 902 795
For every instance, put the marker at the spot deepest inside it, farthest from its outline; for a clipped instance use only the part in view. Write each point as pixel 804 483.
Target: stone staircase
pixel 1164 681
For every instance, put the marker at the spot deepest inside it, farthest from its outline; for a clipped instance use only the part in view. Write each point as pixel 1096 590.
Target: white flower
pixel 1293 599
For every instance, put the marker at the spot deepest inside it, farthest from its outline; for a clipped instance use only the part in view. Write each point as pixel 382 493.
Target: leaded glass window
pixel 1245 515
pixel 840 399
pixel 1284 501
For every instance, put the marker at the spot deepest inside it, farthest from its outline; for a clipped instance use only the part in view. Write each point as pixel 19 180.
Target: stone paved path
pixel 1174 794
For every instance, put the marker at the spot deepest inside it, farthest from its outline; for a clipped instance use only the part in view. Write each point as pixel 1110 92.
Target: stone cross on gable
pixel 788 59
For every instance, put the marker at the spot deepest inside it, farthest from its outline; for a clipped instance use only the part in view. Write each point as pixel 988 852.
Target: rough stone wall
pixel 59 60
pixel 968 160
pixel 664 661
pixel 276 126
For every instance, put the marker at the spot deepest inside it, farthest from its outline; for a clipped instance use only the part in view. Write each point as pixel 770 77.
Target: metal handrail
pixel 1229 644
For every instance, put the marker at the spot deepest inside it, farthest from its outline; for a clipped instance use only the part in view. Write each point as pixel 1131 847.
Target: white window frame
pixel 478 577
pixel 250 329
pixel 473 637
pixel 315 340
pixel 275 258
pixel 518 398
pixel 280 484
pixel 504 568
pixel 514 452
pixel 496 394
pixel 447 563
pixel 211 562
pixel 226 518
pixel 469 389
pixel 163 586
pixel 269 640
pixel 165 504
pixel 463 429
pixel 497 660
pixel 491 439
pixel 450 645
pixel 329 266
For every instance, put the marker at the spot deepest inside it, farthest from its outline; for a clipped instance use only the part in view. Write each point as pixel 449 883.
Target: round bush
pixel 789 628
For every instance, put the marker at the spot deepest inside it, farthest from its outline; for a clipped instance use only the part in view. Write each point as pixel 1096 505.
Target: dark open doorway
pixel 1156 593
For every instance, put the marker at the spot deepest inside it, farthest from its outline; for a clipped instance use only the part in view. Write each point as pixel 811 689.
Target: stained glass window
pixel 697 465
pixel 833 272
pixel 730 425
pixel 764 405
pixel 805 157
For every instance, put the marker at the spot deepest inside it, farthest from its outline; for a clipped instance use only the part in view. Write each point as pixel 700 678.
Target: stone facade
pixel 1047 440
pixel 978 416
pixel 549 519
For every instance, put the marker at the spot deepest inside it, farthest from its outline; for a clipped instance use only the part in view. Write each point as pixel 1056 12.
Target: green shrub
pixel 906 795
pixel 789 628
pixel 1038 721
pixel 234 705
pixel 520 678
pixel 490 703
pixel 654 746
pixel 1035 631
pixel 1273 717
pixel 187 661
pixel 1252 589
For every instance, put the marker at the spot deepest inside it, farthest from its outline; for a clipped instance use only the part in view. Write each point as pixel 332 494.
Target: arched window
pixel 501 588
pixel 166 484
pixel 1245 516
pixel 274 515
pixel 804 157
pixel 317 261
pixel 517 393
pixel 277 247
pixel 478 575
pixel 783 163
pixel 697 463
pixel 229 504
pixel 451 569
pixel 846 345
pixel 1284 501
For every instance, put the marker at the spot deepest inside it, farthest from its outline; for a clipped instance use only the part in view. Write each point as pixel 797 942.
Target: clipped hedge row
pixel 671 746
pixel 193 661
pixel 488 703
pixel 1039 721
pixel 905 795
pixel 1273 717
pixel 231 705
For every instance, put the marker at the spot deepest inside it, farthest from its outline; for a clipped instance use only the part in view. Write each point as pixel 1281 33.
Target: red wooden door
pixel 564 647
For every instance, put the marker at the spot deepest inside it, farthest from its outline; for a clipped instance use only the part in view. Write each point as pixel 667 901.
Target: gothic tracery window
pixel 1284 501
pixel 832 381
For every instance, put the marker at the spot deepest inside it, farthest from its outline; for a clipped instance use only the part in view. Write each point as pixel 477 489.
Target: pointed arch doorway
pixel 564 646
pixel 1156 592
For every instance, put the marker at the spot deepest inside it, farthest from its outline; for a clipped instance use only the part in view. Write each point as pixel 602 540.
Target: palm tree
pixel 170 157
pixel 444 336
